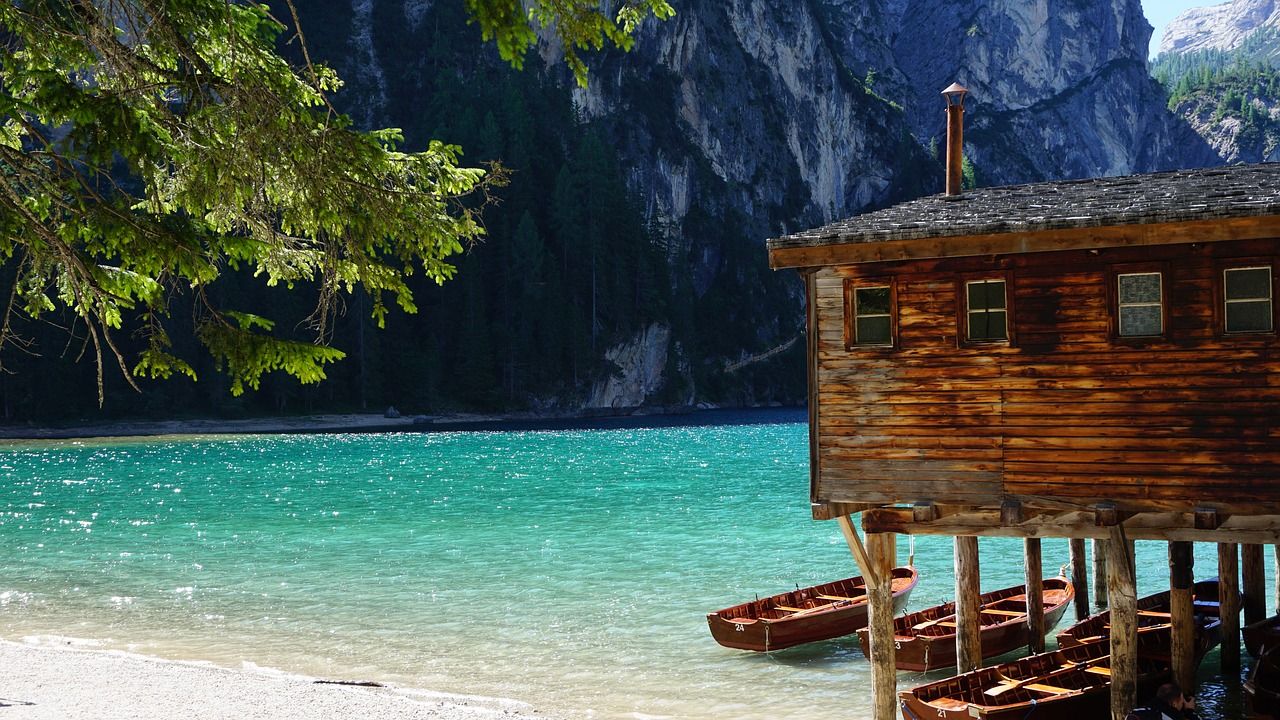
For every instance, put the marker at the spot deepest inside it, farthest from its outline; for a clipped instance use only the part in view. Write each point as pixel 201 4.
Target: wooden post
pixel 1181 560
pixel 1100 577
pixel 884 677
pixel 1080 577
pixel 1229 608
pixel 1122 592
pixel 856 547
pixel 1253 579
pixel 1035 593
pixel 968 588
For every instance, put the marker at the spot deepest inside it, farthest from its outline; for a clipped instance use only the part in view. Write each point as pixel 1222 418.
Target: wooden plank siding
pixel 1067 410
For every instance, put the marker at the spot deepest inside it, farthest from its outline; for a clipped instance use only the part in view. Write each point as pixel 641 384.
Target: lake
pixel 570 569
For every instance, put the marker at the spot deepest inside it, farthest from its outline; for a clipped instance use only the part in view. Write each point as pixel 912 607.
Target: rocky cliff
pixel 742 119
pixel 1219 27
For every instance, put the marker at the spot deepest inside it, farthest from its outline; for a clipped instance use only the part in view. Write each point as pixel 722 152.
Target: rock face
pixel 738 120
pixel 1219 27
pixel 641 363
pixel 1059 89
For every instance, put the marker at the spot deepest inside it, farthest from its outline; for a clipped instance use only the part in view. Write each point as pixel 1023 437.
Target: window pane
pixel 1140 320
pixel 872 301
pixel 1251 316
pixel 1252 283
pixel 872 331
pixel 1141 288
pixel 986 294
pixel 987 325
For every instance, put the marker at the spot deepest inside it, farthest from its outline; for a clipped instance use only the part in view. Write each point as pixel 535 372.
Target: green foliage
pixel 579 25
pixel 1241 85
pixel 150 153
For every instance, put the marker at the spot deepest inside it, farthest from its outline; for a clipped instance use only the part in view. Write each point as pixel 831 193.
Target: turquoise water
pixel 568 569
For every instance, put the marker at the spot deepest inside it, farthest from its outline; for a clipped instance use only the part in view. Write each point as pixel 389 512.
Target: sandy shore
pixel 53 683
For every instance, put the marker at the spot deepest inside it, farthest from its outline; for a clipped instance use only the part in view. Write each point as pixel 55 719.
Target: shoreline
pixel 332 423
pixel 51 682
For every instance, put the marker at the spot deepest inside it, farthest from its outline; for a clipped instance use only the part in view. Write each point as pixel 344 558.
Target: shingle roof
pixel 1183 195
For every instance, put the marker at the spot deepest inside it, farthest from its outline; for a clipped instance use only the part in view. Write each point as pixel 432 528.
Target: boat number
pixel 897 645
pixel 941 712
pixel 739 628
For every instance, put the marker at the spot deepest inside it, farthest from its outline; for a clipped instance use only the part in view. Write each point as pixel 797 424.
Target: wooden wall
pixel 1066 414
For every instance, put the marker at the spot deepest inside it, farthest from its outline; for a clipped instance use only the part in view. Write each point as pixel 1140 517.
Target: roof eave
pixel 853 252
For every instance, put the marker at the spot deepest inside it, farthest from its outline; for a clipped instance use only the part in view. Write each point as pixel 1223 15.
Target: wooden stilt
pixel 1122 592
pixel 1229 608
pixel 1181 561
pixel 968 637
pixel 1035 593
pixel 1100 573
pixel 1080 577
pixel 856 547
pixel 884 677
pixel 1253 582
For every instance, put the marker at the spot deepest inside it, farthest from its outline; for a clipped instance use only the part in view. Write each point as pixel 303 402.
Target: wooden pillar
pixel 968 588
pixel 1100 573
pixel 1080 577
pixel 1122 593
pixel 1253 581
pixel 1229 607
pixel 1181 560
pixel 1035 593
pixel 884 677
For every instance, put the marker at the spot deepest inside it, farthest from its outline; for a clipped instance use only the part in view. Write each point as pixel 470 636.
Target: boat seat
pixel 1010 613
pixel 788 608
pixel 925 625
pixel 1153 613
pixel 946 623
pixel 839 598
pixel 1054 689
pixel 1098 670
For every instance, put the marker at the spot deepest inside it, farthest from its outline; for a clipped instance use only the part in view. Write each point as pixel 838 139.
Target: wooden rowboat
pixel 1068 684
pixel 802 616
pixel 1263 686
pixel 926 640
pixel 1262 635
pixel 1153 611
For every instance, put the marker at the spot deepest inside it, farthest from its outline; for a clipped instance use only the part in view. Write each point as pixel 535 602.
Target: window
pixel 1139 306
pixel 872 319
pixel 1247 296
pixel 986 310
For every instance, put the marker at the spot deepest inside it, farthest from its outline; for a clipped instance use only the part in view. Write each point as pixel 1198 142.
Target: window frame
pixel 851 286
pixel 1113 302
pixel 1220 296
pixel 963 312
pixel 1159 304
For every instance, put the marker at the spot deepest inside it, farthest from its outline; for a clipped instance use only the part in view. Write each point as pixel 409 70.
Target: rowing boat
pixel 804 615
pixel 926 639
pixel 1065 684
pixel 1262 635
pixel 1153 611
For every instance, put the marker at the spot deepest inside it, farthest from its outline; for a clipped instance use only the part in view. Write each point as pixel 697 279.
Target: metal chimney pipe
pixel 955 135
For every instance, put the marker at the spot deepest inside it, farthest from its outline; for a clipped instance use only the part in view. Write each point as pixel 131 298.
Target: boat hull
pixel 802 616
pixel 1262 635
pixel 926 640
pixel 1067 684
pixel 1153 612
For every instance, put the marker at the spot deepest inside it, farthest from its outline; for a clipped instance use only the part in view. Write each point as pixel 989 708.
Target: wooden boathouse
pixel 1082 359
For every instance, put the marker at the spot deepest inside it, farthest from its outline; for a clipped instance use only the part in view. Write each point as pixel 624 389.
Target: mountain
pixel 624 263
pixel 1219 65
pixel 1222 27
